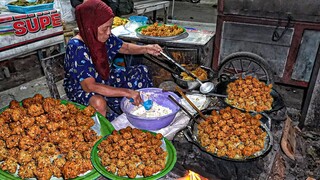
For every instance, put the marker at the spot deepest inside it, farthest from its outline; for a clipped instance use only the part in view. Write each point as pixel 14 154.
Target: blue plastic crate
pixel 30 9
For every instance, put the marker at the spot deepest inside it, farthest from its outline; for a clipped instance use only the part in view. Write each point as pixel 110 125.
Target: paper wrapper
pixel 199 100
pixel 180 121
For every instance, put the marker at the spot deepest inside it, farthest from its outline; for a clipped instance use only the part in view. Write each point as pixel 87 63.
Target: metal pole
pixel 172 9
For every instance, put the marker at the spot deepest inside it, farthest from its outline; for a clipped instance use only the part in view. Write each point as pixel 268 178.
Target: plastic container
pixel 142 20
pixel 30 9
pixel 155 123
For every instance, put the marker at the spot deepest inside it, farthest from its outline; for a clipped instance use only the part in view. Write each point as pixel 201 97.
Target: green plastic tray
pixel 171 160
pixel 105 129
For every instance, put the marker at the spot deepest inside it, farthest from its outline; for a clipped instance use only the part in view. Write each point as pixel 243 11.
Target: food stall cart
pixel 285 37
pixel 194 46
pixel 39 33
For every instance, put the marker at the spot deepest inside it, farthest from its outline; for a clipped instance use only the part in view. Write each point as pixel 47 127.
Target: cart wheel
pixel 245 63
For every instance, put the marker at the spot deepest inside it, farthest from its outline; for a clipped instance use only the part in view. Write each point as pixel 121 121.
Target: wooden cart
pixel 282 38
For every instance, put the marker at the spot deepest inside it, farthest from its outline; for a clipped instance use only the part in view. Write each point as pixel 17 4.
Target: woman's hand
pixel 153 49
pixel 135 95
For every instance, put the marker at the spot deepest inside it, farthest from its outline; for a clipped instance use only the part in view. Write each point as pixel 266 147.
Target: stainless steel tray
pixel 184 34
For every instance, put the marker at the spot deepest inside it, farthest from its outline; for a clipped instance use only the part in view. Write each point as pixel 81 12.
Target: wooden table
pixel 142 7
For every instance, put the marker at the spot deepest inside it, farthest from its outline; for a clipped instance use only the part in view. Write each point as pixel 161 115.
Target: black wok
pixel 277 104
pixel 191 133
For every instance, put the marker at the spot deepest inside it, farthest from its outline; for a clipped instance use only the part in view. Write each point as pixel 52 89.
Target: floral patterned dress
pixel 79 66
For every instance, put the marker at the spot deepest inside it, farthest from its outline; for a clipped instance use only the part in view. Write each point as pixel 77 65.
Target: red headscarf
pixel 89 16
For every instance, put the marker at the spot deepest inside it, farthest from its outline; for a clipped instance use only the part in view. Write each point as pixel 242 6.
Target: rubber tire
pixel 248 56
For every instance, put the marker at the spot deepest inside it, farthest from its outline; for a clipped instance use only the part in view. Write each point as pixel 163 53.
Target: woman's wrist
pixel 128 93
pixel 145 49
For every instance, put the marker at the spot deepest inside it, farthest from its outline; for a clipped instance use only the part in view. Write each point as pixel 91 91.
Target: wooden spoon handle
pixel 190 102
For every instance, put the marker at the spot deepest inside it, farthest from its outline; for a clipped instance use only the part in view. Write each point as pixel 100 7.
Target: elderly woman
pixel 90 78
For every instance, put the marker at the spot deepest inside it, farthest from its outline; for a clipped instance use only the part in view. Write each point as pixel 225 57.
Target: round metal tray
pixel 184 34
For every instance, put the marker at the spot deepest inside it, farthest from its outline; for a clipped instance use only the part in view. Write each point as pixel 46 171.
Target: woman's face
pixel 104 30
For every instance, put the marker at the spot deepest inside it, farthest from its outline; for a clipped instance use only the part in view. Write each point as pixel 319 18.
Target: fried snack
pixel 89 111
pixel 232 133
pixel 250 94
pixel 10 165
pixel 200 73
pixel 131 152
pixel 46 138
pixel 118 21
pixel 14 104
pixel 26 171
pixel 162 30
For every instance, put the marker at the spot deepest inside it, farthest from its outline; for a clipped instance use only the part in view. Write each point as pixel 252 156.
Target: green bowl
pixel 105 128
pixel 171 160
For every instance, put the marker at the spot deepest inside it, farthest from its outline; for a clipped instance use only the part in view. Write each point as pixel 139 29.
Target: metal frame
pixel 143 7
pixel 309 93
pixel 46 64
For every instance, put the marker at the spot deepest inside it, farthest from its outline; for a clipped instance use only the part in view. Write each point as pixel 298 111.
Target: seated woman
pixel 90 78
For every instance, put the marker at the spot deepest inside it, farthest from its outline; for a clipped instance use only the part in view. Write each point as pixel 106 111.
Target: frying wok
pixel 191 133
pixel 192 84
pixel 277 104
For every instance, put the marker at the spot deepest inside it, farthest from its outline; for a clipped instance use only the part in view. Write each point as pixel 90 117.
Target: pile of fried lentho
pixel 118 21
pixel 162 30
pixel 232 133
pixel 132 152
pixel 250 94
pixel 200 73
pixel 44 138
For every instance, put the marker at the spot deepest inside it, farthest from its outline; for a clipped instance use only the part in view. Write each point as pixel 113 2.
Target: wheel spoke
pixel 229 71
pixel 264 76
pixel 235 70
pixel 241 65
pixel 229 66
pixel 249 65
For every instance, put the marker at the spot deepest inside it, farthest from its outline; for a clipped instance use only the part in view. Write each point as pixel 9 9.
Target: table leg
pixel 154 16
pixel 165 14
pixel 172 9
